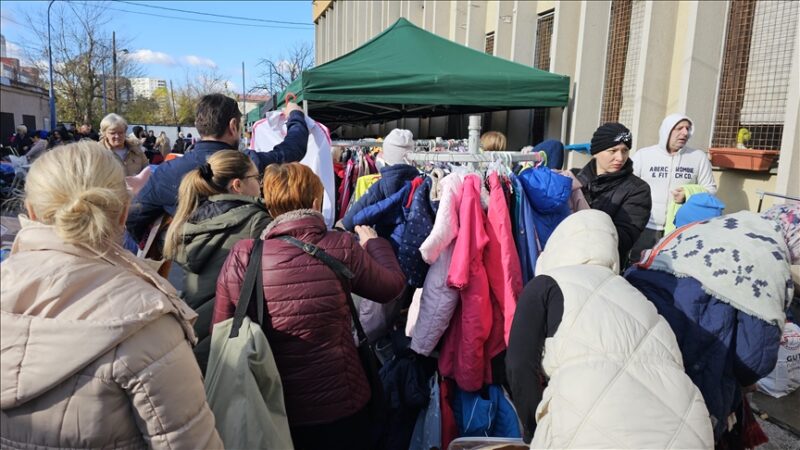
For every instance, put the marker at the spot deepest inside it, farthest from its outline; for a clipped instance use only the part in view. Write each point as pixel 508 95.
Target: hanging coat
pixel 418 227
pixel 548 193
pixel 388 216
pixel 524 231
pixel 501 258
pixel 438 300
pixel 465 355
pixel 393 178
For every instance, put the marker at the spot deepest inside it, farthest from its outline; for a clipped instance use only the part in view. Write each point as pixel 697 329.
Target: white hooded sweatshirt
pixel 664 171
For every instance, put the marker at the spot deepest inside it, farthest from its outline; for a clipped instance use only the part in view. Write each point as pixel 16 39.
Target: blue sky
pixel 172 48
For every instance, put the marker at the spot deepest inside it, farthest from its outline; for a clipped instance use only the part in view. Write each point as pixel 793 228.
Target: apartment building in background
pixel 727 65
pixel 144 87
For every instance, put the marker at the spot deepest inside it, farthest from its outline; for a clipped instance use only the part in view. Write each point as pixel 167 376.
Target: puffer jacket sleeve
pixel 631 218
pixel 445 226
pixel 384 211
pixel 757 345
pixel 377 274
pixel 157 369
pixel 373 195
pixel 230 280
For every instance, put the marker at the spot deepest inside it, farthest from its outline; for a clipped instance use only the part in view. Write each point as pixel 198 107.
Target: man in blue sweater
pixel 218 120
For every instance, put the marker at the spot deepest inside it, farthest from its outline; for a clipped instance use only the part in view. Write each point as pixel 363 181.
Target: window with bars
pixel 544 36
pixel 541 60
pixel 489 46
pixel 756 66
pixel 616 56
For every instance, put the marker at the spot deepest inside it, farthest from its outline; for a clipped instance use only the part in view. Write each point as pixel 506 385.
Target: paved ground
pixel 780 419
pixel 779 438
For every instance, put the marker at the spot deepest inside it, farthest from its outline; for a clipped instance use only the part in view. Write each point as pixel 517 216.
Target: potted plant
pixel 741 157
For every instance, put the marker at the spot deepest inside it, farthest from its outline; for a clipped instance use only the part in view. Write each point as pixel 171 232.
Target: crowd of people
pixel 625 334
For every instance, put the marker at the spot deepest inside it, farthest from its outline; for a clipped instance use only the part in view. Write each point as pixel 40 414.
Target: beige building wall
pixel 678 71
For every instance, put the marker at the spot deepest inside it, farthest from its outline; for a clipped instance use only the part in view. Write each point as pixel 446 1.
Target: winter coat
pixel 135 160
pixel 501 258
pixel 388 216
pixel 96 352
pixel 469 344
pixel 623 196
pixel 524 227
pixel 160 195
pixel 308 321
pixel 419 225
pixel 208 236
pixel 672 208
pixel 393 178
pixel 438 300
pixel 637 394
pixel 724 299
pixel 554 149
pixel 665 171
pixel 490 414
pixel 548 193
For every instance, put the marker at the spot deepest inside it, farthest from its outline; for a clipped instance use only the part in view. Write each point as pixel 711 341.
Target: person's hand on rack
pixel 365 233
pixel 291 106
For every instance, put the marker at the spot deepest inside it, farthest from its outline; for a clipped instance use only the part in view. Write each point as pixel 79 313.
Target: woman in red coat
pixel 308 323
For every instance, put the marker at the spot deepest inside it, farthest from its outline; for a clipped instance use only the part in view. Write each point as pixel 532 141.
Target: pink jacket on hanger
pixel 430 314
pixel 463 354
pixel 501 258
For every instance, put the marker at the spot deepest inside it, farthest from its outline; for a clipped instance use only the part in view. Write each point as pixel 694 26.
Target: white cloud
pixel 146 56
pixel 13 50
pixel 199 61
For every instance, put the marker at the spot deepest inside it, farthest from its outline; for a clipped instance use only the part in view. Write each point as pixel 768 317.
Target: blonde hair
pixel 114 121
pixel 80 190
pixel 493 141
pixel 225 165
pixel 162 144
pixel 288 187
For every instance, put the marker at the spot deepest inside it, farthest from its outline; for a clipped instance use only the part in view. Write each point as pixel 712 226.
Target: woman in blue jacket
pixel 723 285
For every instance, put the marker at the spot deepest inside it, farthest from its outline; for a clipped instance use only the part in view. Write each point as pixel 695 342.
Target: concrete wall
pixel 19 102
pixel 737 189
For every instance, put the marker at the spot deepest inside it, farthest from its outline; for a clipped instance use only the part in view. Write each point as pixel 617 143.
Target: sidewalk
pixel 783 412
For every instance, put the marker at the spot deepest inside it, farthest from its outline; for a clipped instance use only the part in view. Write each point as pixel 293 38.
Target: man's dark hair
pixel 214 113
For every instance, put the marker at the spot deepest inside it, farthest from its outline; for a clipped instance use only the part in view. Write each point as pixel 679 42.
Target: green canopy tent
pixel 409 72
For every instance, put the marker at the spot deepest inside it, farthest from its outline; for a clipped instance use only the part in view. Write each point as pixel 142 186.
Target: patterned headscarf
pixel 788 216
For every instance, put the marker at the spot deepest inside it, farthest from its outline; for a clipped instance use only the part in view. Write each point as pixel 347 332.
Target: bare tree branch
pixel 281 71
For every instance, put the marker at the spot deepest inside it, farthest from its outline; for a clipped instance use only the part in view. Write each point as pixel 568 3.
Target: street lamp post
pixel 50 55
pixel 114 68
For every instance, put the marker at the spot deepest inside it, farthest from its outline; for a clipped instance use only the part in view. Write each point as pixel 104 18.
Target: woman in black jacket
pixel 609 185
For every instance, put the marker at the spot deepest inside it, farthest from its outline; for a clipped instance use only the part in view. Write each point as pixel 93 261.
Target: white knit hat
pixel 397 143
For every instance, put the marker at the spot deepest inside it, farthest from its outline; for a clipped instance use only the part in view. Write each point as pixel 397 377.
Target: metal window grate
pixel 756 67
pixel 489 46
pixel 632 63
pixel 544 36
pixel 616 55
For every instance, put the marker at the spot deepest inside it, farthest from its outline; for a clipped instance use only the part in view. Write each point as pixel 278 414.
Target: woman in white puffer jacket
pixel 616 377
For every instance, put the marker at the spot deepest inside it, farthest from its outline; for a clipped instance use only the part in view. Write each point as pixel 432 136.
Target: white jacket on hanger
pixel 270 131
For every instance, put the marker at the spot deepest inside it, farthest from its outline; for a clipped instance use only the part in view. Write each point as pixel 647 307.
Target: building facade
pixel 144 87
pixel 727 65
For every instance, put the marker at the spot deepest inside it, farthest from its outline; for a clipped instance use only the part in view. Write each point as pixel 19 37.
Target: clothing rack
pixel 425 143
pixel 502 157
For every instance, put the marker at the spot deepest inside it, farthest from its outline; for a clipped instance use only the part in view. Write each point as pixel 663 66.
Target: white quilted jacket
pixel 616 372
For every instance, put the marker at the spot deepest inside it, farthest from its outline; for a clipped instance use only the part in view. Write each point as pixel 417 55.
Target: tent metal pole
pixel 305 107
pixel 474 133
pixel 564 118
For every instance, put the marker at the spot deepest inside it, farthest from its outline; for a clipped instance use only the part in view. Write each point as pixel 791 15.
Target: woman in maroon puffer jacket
pixel 309 323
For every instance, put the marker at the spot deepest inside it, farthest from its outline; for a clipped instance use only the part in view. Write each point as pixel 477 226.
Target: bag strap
pixel 253 281
pixel 342 272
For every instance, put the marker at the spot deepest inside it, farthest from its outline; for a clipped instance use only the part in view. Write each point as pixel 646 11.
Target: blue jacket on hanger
pixel 524 223
pixel 392 179
pixel 418 227
pixel 388 216
pixel 548 194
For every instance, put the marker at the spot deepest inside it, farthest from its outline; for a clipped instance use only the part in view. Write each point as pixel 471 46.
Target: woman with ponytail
pixel 218 205
pixel 96 346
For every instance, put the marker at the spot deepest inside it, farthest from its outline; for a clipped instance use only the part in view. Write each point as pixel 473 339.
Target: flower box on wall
pixel 743 159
